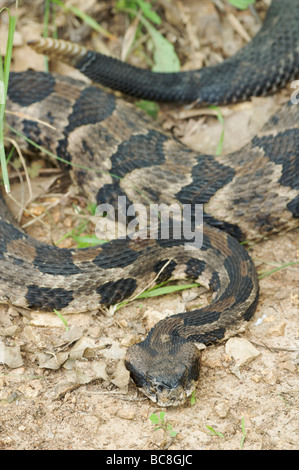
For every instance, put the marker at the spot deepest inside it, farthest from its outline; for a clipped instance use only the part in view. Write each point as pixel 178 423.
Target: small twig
pixel 113 308
pixel 237 26
pixel 40 217
pixel 19 152
pixel 255 14
pixel 273 348
pixel 31 118
pixel 41 171
pixel 23 209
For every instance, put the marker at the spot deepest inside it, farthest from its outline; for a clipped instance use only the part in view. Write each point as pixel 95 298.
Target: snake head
pixel 164 373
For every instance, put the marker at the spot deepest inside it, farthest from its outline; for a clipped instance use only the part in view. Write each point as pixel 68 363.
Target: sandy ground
pixel 68 389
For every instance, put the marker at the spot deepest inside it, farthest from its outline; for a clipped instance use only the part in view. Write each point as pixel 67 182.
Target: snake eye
pixel 160 388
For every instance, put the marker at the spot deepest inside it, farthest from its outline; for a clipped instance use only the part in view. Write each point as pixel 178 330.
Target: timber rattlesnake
pixel 249 194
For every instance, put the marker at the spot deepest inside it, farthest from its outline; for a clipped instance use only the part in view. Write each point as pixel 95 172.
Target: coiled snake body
pixel 248 194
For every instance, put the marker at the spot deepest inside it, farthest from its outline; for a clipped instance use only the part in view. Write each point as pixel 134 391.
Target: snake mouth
pixel 165 396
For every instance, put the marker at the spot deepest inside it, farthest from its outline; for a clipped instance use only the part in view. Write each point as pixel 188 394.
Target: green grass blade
pixel 221 120
pixel 165 57
pixel 165 290
pixel 268 273
pixel 213 431
pixel 156 291
pixel 241 4
pixel 4 78
pixel 85 242
pixel 46 29
pixel 62 319
pixel 86 18
pixel 243 432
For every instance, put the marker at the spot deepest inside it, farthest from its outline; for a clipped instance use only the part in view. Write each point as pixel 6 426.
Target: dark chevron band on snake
pixel 249 194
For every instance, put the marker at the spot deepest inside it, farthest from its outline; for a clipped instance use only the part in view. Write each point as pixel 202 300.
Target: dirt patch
pixel 70 390
pixel 42 408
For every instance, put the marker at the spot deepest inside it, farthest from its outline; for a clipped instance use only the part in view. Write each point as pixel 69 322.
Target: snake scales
pixel 249 194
